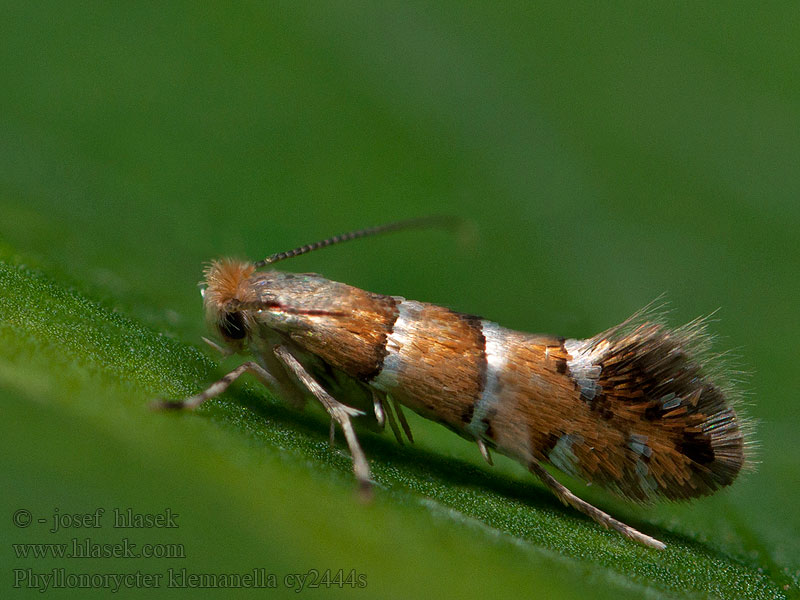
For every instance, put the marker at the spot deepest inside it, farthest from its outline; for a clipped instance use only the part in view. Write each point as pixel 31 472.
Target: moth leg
pixel 377 403
pixel 606 520
pixel 216 388
pixel 338 412
pixel 402 418
pixel 385 408
pixel 484 451
pixel 224 351
pixel 392 422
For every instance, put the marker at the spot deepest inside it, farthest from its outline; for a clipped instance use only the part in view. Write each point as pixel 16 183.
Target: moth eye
pixel 232 326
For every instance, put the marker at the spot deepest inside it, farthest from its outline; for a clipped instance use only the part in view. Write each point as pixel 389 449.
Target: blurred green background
pixel 606 155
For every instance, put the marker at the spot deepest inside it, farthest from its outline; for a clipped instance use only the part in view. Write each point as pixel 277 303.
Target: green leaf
pixel 78 377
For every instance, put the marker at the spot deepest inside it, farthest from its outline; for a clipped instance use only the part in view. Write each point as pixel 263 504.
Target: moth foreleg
pixel 606 520
pixel 338 412
pixel 216 388
pixel 224 351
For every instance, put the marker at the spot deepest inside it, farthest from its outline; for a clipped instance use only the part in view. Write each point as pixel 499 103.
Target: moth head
pixel 225 288
pixel 232 295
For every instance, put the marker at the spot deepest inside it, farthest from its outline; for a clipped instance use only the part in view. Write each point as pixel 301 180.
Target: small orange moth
pixel 638 409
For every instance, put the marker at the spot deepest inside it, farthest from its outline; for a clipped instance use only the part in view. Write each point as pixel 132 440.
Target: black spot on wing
pixel 697 447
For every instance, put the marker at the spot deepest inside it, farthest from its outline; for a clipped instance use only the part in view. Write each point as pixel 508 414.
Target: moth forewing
pixel 635 409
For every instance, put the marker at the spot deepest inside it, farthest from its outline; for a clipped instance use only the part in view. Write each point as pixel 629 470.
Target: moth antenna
pixel 446 221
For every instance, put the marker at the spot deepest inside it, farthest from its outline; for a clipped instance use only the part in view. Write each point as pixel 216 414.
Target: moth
pixel 638 409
